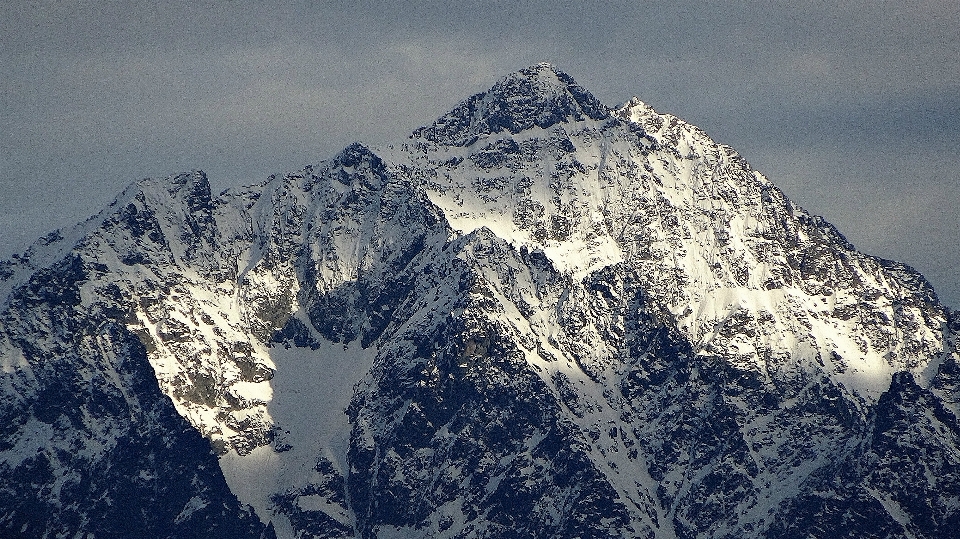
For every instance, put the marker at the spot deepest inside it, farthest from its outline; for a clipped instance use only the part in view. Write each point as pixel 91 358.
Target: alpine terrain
pixel 537 317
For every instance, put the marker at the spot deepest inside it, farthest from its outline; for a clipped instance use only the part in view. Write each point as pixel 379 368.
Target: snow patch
pixel 310 392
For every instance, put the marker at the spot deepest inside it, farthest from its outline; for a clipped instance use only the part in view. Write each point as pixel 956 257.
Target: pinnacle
pixel 543 70
pixel 538 96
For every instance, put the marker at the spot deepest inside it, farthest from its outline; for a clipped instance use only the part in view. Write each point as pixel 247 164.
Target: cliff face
pixel 536 317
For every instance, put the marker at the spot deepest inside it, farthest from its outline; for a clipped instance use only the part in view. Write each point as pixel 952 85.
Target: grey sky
pixel 852 107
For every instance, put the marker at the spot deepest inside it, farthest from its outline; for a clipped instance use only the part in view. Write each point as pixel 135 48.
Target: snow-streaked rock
pixel 536 317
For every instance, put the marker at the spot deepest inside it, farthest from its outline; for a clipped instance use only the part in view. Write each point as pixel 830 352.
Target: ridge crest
pixel 538 96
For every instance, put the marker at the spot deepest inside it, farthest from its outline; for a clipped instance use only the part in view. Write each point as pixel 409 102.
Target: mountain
pixel 538 316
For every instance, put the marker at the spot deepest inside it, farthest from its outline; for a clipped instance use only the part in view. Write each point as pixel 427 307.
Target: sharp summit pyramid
pixel 536 317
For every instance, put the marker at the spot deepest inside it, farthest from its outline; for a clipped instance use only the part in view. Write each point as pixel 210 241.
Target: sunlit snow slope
pixel 536 317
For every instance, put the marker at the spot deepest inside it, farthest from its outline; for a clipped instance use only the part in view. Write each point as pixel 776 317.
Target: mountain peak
pixel 541 318
pixel 545 73
pixel 536 96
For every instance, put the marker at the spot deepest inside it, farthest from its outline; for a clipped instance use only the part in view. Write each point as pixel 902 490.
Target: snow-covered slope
pixel 537 317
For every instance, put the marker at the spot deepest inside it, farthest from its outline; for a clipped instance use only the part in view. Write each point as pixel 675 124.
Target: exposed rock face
pixel 90 444
pixel 536 317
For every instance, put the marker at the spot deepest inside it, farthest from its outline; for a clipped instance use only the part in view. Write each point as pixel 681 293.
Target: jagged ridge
pixel 561 320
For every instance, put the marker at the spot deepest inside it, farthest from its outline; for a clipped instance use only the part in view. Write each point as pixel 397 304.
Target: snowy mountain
pixel 536 317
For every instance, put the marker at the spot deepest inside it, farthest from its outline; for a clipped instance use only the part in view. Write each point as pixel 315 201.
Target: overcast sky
pixel 851 107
